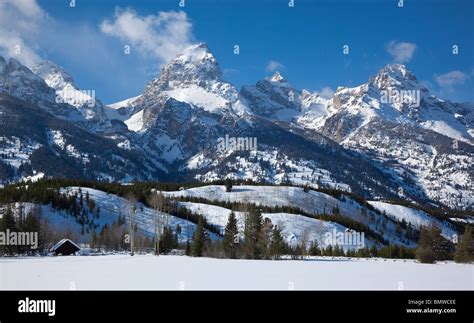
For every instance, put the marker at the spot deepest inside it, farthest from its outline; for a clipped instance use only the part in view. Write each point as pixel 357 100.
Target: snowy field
pixel 147 272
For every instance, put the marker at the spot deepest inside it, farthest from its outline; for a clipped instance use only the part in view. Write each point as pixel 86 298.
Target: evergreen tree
pixel 228 184
pixel 178 229
pixel 199 238
pixel 424 250
pixel 338 251
pixel 398 230
pixel 431 245
pixel 93 239
pixel 443 248
pixel 33 224
pixel 363 252
pixel 187 249
pixel 81 198
pixel 168 240
pixel 314 249
pixel 7 222
pixel 465 247
pixel 253 224
pixel 296 252
pixel 373 251
pixel 264 239
pixel 278 246
pixel 231 237
pixel 351 253
pixel 409 231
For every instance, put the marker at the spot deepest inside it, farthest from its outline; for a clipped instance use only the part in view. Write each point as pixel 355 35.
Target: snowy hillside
pixel 113 206
pixel 312 202
pixel 416 217
pixel 380 226
pixel 293 226
pixel 283 169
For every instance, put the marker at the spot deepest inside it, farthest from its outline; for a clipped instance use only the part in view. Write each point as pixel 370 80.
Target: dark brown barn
pixel 65 247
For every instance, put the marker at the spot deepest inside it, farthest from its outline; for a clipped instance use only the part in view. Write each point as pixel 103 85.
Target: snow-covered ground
pixel 118 272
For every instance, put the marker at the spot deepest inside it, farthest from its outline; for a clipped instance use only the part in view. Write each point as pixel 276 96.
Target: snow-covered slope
pixel 415 217
pixel 113 206
pixel 395 95
pixel 418 138
pixel 67 92
pixel 33 140
pixel 294 227
pixel 121 110
pixel 20 82
pixel 276 99
pixel 283 170
pixel 312 202
pixel 109 208
pixel 193 77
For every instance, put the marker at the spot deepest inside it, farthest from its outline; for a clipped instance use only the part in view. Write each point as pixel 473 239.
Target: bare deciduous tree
pixel 131 210
pixel 158 202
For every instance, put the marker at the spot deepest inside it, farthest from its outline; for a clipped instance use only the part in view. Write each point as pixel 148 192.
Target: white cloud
pixel 81 47
pixel 402 52
pixel 29 8
pixel 20 24
pixel 161 36
pixel 273 66
pixel 229 71
pixel 13 46
pixel 450 79
pixel 326 92
pixel 427 84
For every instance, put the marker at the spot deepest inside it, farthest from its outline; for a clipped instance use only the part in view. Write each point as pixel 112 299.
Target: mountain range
pixel 389 138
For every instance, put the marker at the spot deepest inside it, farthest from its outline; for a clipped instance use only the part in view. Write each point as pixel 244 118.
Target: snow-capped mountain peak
pixel 54 75
pixel 277 78
pixel 193 77
pixel 395 75
pixel 398 70
pixel 194 66
pixel 18 81
pixel 17 70
pixel 199 52
pixel 62 82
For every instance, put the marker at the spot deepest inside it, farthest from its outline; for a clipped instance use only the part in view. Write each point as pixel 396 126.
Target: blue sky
pixel 304 42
